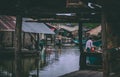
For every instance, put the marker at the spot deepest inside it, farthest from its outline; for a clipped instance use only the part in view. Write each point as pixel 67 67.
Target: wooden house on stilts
pixel 81 11
pixel 30 29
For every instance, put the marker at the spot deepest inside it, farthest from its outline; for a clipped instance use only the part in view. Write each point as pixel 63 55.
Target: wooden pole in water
pixel 12 38
pixel 104 47
pixel 18 43
pixel 23 40
pixel 82 60
pixel 38 41
pixel 18 31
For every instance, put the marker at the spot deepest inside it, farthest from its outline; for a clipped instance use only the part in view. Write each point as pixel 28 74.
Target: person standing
pixel 89 44
pixel 88 47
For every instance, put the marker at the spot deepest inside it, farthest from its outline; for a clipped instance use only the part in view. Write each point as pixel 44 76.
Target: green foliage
pixel 71 24
pixel 88 25
pixel 91 25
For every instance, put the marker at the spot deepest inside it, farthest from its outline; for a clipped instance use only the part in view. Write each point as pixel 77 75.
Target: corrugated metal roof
pixel 7 23
pixel 35 27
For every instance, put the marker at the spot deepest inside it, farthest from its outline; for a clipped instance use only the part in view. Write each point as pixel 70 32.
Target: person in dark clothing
pixel 42 44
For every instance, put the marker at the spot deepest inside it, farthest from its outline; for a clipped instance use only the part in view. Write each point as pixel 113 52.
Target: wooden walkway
pixel 84 73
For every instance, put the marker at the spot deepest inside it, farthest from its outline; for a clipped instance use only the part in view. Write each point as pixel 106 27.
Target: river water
pixel 67 61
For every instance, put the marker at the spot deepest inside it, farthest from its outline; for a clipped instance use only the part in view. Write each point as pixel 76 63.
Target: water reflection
pixel 53 65
pixel 19 67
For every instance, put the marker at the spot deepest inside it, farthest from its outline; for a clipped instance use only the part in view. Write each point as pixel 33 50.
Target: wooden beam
pixel 82 59
pixel 70 21
pixel 23 39
pixel 18 43
pixel 18 32
pixel 13 33
pixel 33 37
pixel 104 47
pixel 38 40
